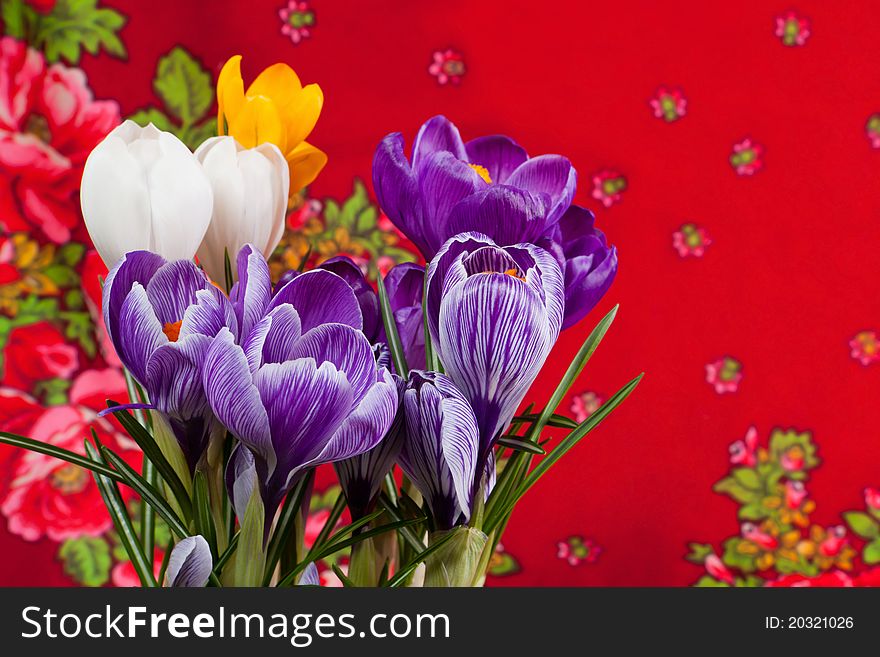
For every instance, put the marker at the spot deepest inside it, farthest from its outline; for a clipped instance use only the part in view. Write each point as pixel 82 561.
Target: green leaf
pixel 729 486
pixel 747 478
pixel 394 344
pixel 76 24
pixel 862 524
pixel 871 554
pixel 575 368
pixel 518 444
pixel 573 439
pixel 184 85
pixel 194 135
pixel 151 451
pixel 86 559
pixel 122 522
pixel 71 253
pixel 250 556
pixel 18 18
pixel 710 582
pixel 404 573
pixel 699 552
pixel 149 495
pixel 202 517
pixel 59 453
pixel 61 275
pixel 285 523
pixel 152 115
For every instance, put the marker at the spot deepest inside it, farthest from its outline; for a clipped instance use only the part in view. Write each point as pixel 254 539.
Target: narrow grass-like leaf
pixel 227 554
pixel 227 271
pixel 151 451
pixel 346 582
pixel 432 359
pixel 330 523
pixel 393 337
pixel 575 368
pixel 284 526
pixel 251 560
pixel 148 493
pixel 559 451
pixel 519 445
pixel 405 532
pixel 119 514
pixel 407 570
pixel 555 420
pixel 166 558
pixel 59 453
pixel 370 533
pixel 202 516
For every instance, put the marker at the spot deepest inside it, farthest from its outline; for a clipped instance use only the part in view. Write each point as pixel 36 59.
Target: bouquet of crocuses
pixel 241 386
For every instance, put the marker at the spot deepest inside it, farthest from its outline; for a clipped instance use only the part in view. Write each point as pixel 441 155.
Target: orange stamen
pixel 172 330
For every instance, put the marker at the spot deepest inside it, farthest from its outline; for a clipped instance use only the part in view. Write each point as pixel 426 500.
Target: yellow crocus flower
pixel 276 108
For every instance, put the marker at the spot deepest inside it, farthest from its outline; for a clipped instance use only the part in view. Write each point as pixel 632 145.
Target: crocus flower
pixel 250 187
pixel 420 196
pixel 587 261
pixel 362 476
pixel 142 189
pixel 493 313
pixel 441 446
pixel 404 284
pixel 190 563
pixel 302 388
pixel 161 316
pixel 276 108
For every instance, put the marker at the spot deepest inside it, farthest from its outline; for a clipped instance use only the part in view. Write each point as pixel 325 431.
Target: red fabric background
pixel 790 277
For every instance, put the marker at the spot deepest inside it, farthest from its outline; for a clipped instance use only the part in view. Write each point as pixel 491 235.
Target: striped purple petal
pixel 172 289
pixel 300 429
pixel 397 190
pixel 361 476
pixel 441 446
pixel 347 350
pixel 137 266
pixel 367 299
pixel 320 297
pixel 251 295
pixel 273 338
pixel 139 332
pixel 190 563
pixel 235 399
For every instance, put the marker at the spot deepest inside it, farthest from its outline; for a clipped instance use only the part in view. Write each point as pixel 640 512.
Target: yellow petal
pixel 258 122
pixel 230 92
pixel 278 82
pixel 305 163
pixel 302 114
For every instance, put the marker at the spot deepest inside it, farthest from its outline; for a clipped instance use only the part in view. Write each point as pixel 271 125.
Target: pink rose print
pixel 608 187
pixel 690 241
pixel 724 374
pixel 872 130
pixel 49 122
pixel 792 29
pixel 747 157
pixel 448 66
pixel 865 347
pixel 577 550
pixel 584 405
pixel 48 497
pixel 668 104
pixel 744 452
pixel 297 19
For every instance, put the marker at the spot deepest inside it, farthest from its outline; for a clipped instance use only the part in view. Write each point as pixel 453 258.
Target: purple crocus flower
pixel 161 316
pixel 494 313
pixel 301 387
pixel 489 185
pixel 362 476
pixel 404 284
pixel 420 196
pixel 440 451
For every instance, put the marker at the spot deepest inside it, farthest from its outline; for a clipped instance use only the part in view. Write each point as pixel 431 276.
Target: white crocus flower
pixel 250 188
pixel 142 189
